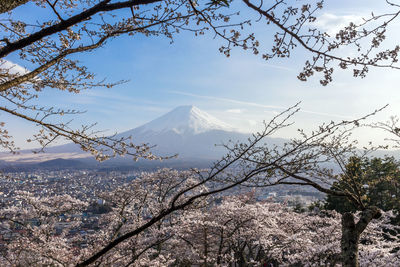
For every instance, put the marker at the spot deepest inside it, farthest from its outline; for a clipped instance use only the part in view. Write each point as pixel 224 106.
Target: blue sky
pixel 242 90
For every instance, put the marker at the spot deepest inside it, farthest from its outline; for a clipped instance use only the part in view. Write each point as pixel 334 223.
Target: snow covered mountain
pixel 183 120
pixel 186 130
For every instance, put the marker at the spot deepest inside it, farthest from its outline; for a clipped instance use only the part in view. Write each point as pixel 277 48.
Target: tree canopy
pixel 377 180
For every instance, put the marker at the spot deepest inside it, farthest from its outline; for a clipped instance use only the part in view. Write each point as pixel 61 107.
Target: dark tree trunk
pixel 351 232
pixel 349 242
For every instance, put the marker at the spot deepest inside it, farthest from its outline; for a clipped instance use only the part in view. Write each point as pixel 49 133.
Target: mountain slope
pixel 187 131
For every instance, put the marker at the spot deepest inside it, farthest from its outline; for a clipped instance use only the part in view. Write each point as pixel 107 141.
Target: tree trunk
pixel 351 234
pixel 349 242
pixel 205 248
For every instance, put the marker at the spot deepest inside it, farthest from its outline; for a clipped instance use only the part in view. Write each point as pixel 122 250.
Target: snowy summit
pixel 185 120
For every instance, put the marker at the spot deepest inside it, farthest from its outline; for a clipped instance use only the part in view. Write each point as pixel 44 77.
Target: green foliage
pixel 97 208
pixel 316 205
pixel 376 182
pixel 299 208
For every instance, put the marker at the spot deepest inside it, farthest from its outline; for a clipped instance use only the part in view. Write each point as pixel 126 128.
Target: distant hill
pixel 60 163
pixel 54 164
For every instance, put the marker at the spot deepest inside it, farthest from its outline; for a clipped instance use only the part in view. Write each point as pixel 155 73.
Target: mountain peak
pixel 187 110
pixel 184 108
pixel 186 119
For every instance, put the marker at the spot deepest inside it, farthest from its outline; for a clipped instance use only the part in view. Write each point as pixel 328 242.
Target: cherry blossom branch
pixel 104 5
pixel 281 26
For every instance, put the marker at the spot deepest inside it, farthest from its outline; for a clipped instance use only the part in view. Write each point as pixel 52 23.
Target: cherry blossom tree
pixel 49 227
pixel 137 204
pixel 232 231
pixel 41 239
pixel 241 231
pixel 308 161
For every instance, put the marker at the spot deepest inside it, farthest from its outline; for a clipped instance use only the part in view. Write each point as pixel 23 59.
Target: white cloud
pixel 12 68
pixel 252 122
pixel 274 112
pixel 227 100
pixel 275 66
pixel 332 23
pixel 252 104
pixel 235 110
